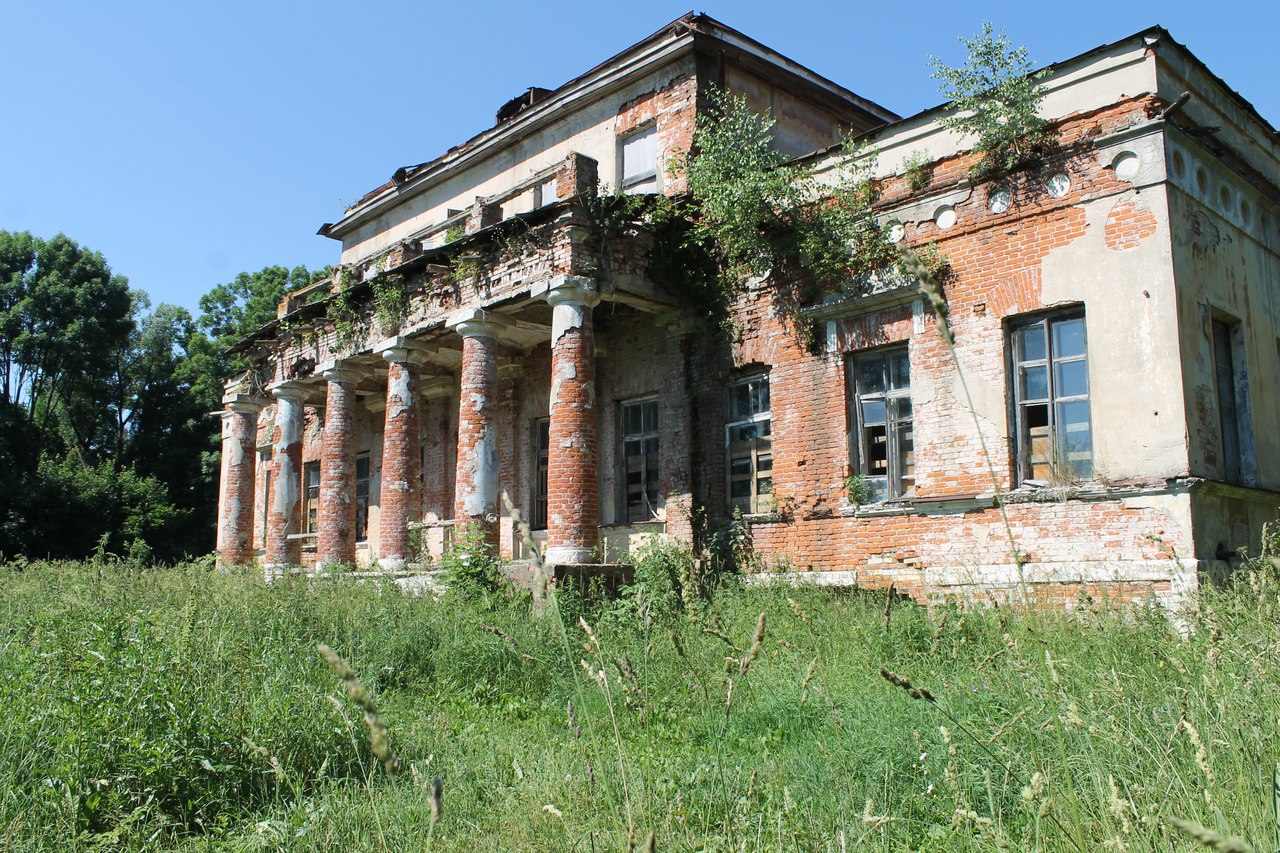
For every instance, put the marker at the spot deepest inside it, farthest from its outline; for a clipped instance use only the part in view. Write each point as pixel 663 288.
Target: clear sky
pixel 188 142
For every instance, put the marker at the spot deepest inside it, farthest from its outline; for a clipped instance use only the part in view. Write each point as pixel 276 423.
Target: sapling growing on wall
pixel 995 96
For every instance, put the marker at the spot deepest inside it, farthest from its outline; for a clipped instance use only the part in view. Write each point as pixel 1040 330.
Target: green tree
pixel 995 96
pixel 231 311
pixel 169 429
pixel 64 326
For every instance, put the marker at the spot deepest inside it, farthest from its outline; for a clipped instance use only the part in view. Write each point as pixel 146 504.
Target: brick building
pixel 1116 318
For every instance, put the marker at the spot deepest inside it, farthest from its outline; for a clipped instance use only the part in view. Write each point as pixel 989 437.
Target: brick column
pixel 573 489
pixel 284 517
pixel 476 486
pixel 239 452
pixel 336 516
pixel 399 501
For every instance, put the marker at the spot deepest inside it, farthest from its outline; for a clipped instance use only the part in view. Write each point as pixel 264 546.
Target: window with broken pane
pixel 1054 432
pixel 639 173
pixel 749 445
pixel 884 442
pixel 640 459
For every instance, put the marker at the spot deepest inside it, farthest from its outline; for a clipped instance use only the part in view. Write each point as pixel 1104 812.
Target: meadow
pixel 187 708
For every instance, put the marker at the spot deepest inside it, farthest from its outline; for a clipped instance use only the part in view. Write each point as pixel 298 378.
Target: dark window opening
pixel 362 497
pixel 640 459
pixel 884 440
pixel 542 445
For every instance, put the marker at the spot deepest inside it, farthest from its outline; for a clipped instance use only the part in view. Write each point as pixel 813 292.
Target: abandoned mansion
pixel 1085 404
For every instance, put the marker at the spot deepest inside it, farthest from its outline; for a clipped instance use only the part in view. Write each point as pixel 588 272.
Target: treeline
pixel 109 436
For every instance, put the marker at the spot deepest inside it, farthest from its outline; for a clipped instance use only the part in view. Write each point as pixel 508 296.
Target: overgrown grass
pixel 189 708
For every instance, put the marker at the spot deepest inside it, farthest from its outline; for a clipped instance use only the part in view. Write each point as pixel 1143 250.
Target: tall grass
pixel 183 707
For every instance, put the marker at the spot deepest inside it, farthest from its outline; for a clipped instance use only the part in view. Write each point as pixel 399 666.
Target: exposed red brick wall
pixel 573 500
pixel 336 519
pixel 997 262
pixel 672 111
pixel 239 454
pixel 284 516
pixel 399 501
pixel 1128 224
pixel 477 462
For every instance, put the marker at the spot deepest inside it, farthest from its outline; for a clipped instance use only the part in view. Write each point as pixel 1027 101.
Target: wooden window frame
pixel 898 478
pixel 1062 464
pixel 647 509
pixel 758 450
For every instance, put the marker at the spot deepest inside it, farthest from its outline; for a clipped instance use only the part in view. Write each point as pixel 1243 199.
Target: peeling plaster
pixel 235 452
pixel 286 490
pixel 482 468
pixel 565 370
pixel 398 393
pixel 565 317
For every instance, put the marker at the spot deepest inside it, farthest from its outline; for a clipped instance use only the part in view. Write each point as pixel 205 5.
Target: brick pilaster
pixel 284 516
pixel 399 501
pixel 476 486
pixel 579 176
pixel 482 215
pixel 336 517
pixel 573 489
pixel 239 452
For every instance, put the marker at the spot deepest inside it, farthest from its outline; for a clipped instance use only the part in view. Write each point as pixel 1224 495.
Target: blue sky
pixel 189 142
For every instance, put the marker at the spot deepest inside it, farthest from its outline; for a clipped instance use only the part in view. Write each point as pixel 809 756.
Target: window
pixel 640 459
pixel 311 494
pixel 640 162
pixel 545 193
pixel 264 465
pixel 883 440
pixel 1231 382
pixel 1051 393
pixel 362 497
pixel 748 445
pixel 542 446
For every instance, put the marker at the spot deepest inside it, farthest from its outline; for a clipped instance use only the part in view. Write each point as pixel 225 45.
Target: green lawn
pixel 189 708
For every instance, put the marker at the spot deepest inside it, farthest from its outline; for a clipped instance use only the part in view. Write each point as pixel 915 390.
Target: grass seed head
pixel 437 801
pixel 757 641
pixel 1213 840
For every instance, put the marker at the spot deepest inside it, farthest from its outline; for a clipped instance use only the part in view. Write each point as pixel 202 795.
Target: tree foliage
pixel 65 321
pixel 760 212
pixel 995 96
pixel 108 433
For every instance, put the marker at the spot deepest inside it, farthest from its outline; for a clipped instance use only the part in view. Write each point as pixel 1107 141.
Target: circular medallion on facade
pixel 1000 201
pixel 945 216
pixel 1126 165
pixel 1058 185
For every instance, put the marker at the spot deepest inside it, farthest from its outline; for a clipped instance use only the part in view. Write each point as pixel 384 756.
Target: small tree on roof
pixel 996 96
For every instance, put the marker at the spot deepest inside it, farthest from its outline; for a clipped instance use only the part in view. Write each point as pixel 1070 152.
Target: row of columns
pixel 572 499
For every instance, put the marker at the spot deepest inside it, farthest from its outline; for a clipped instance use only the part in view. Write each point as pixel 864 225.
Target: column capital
pixel 474 323
pixel 243 404
pixel 289 391
pixel 572 290
pixel 336 371
pixel 403 350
